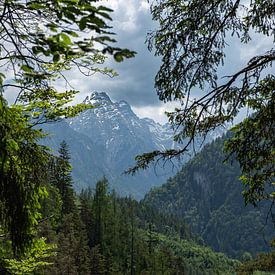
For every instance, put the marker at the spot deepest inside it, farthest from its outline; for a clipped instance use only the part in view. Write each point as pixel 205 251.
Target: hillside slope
pixel 206 193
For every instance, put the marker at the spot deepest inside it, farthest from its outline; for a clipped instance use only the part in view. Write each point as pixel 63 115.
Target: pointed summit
pixel 100 98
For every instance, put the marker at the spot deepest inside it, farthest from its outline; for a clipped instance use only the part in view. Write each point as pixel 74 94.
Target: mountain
pixel 206 194
pixel 116 127
pixel 104 141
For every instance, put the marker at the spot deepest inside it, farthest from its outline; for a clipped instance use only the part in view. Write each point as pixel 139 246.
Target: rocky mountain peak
pixel 123 103
pixel 97 98
pixel 114 135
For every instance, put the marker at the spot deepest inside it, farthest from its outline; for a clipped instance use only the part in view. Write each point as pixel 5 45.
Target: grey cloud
pixel 135 82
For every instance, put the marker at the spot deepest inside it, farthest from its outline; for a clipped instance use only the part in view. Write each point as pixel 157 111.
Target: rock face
pixel 104 142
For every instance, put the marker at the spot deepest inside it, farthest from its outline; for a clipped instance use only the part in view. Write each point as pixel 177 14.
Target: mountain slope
pixel 105 140
pixel 86 156
pixel 206 193
pixel 115 128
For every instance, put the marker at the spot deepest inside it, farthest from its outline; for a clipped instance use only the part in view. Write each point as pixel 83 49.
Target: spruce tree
pixel 100 201
pixel 86 214
pixel 72 249
pixel 98 265
pixel 62 179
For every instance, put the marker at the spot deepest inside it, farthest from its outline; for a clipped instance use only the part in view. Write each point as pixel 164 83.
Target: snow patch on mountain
pixel 116 136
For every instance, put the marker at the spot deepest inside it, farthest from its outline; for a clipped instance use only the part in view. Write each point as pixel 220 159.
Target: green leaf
pixel 52 27
pixel 82 23
pixel 71 33
pixel 26 68
pixel 2 76
pixel 102 8
pixel 13 145
pixel 35 6
pixel 97 21
pixel 66 39
pixel 56 57
pixel 103 39
pixel 105 15
pixel 69 15
pixel 118 57
pixel 37 49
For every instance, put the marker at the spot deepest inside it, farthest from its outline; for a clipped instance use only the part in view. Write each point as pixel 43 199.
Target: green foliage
pixel 38 42
pixel 61 221
pixel 198 259
pixel 263 262
pixel 97 261
pixel 253 144
pixel 62 178
pixel 21 176
pixel 131 242
pixel 33 260
pixel 112 235
pixel 47 104
pixel 191 39
pixel 51 206
pixel 41 40
pixel 54 32
pixel 100 205
pixel 72 250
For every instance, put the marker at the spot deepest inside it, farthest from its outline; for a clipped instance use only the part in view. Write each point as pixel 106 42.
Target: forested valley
pixel 207 195
pixel 99 232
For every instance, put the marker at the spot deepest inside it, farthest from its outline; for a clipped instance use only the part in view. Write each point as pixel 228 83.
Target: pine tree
pixel 97 261
pixel 86 214
pixel 65 262
pixel 62 179
pixel 132 239
pixel 100 201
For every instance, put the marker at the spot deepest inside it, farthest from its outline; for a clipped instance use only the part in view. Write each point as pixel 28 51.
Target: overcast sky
pixel 135 83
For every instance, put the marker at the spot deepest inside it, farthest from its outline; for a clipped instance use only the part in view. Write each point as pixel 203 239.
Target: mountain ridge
pixel 206 194
pixel 114 135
